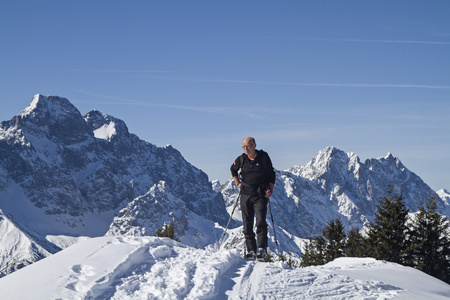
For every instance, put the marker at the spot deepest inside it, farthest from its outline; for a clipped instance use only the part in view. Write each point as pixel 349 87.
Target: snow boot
pixel 251 255
pixel 262 253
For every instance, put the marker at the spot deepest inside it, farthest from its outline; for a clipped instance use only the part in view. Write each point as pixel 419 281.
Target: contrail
pixel 310 84
pixel 94 70
pixel 365 41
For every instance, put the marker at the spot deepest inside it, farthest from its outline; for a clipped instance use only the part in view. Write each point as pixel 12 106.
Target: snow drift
pixel 125 267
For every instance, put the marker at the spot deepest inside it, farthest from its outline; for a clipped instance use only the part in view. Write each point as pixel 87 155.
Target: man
pixel 255 182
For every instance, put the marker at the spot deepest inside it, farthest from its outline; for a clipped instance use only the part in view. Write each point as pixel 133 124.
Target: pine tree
pixel 326 248
pixel 387 236
pixel 335 235
pixel 319 245
pixel 287 258
pixel 354 245
pixel 430 243
pixel 167 230
pixel 308 254
pixel 314 252
pixel 268 257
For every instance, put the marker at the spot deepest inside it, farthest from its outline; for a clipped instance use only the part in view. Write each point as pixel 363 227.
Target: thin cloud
pixel 95 70
pixel 343 84
pixel 112 71
pixel 365 41
pixel 310 84
pixel 115 100
pixel 223 110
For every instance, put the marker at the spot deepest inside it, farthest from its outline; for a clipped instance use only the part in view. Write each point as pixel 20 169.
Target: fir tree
pixel 387 236
pixel 167 230
pixel 430 243
pixel 335 235
pixel 319 245
pixel 354 246
pixel 326 248
pixel 287 258
pixel 314 252
pixel 308 254
pixel 307 257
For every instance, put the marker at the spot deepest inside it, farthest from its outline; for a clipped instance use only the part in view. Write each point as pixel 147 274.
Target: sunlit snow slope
pixel 154 268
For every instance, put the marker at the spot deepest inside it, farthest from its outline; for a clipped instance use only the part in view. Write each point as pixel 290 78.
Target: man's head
pixel 249 145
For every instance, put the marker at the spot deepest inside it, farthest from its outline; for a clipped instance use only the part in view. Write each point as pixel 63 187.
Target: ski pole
pixel 229 220
pixel 273 225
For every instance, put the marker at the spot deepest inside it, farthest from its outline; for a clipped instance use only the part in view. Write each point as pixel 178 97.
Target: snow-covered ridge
pixel 31 107
pixel 155 268
pixel 445 196
pixel 16 248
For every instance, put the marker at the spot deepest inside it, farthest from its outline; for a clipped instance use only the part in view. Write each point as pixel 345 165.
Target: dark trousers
pixel 251 206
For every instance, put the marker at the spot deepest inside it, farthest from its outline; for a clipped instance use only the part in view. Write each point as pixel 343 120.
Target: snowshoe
pixel 262 253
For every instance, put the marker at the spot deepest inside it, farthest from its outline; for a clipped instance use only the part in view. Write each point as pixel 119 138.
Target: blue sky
pixel 368 77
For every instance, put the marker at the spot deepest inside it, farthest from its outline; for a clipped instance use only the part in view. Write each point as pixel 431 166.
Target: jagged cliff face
pixel 159 203
pixel 335 184
pixel 71 165
pixel 64 173
pixel 34 144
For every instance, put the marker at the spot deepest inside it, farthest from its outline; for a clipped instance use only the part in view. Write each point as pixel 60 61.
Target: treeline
pixel 421 241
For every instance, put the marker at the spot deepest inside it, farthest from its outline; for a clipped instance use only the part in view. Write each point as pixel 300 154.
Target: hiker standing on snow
pixel 255 182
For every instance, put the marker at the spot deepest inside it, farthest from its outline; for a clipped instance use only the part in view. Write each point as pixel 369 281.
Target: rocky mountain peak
pixel 106 127
pixel 74 172
pixel 327 162
pixel 53 118
pixel 49 106
pixel 336 184
pixel 64 174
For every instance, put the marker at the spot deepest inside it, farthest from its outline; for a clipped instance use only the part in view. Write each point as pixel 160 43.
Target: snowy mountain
pixel 137 218
pixel 445 196
pixel 335 184
pixel 64 174
pixel 126 267
pixel 65 177
pixel 17 248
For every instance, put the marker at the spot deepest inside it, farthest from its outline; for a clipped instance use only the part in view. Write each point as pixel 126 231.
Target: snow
pixel 106 132
pixel 15 246
pixel 30 108
pixel 64 241
pixel 445 196
pixel 14 202
pixel 126 267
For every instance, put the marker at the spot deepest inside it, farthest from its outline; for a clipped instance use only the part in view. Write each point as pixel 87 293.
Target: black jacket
pixel 254 175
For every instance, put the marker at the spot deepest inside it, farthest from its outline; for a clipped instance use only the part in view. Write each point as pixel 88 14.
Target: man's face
pixel 248 147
